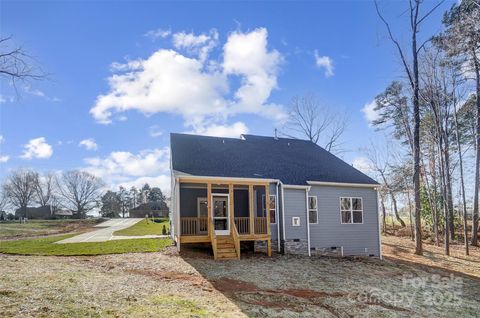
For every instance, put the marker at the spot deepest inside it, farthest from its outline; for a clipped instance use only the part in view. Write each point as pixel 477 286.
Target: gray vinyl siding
pixel 295 205
pixel 330 232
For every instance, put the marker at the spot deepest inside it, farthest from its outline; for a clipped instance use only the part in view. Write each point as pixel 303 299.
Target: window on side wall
pixel 351 210
pixel 312 210
pixel 273 206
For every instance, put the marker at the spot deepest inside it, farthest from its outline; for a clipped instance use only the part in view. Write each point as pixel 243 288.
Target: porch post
pixel 209 207
pixel 267 211
pixel 250 209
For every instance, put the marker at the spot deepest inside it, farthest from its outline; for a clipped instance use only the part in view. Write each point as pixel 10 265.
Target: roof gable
pixel 293 161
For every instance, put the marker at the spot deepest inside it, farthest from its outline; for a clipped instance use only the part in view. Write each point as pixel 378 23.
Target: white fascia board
pixel 340 184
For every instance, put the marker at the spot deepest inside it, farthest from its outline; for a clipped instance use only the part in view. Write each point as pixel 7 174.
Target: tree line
pixel 76 190
pixel 434 113
pixel 119 202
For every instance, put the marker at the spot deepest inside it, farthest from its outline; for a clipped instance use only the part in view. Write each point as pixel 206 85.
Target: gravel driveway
pixel 104 232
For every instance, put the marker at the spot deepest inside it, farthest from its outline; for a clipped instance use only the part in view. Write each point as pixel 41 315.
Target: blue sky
pixel 124 75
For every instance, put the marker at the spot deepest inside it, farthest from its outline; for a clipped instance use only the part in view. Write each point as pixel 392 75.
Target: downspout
pixel 277 216
pixel 379 231
pixel 308 221
pixel 177 195
pixel 283 214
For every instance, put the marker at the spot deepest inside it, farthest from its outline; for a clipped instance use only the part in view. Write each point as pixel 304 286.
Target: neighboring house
pixel 43 212
pixel 317 203
pixel 152 209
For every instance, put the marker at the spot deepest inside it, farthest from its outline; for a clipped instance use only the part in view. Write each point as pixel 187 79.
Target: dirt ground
pixel 170 285
pixel 401 249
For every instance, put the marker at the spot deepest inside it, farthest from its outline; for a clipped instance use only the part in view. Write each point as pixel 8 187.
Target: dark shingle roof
pixel 292 161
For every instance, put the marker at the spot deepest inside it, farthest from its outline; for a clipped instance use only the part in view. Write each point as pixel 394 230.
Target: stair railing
pixel 213 237
pixel 235 237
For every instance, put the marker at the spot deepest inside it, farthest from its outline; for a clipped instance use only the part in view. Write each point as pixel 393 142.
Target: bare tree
pixel 16 64
pixel 380 165
pixel 411 71
pixel 44 189
pixel 81 191
pixel 3 200
pixel 20 189
pixel 308 119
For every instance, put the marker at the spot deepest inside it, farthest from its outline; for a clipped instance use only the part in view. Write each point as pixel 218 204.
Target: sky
pixel 123 75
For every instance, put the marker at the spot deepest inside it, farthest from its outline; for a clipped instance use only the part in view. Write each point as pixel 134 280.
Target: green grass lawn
pixel 12 229
pixel 46 246
pixel 145 227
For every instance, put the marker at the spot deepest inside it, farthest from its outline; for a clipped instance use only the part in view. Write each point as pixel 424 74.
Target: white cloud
pixel 89 144
pixel 324 62
pixel 4 159
pixel 4 99
pixel 246 55
pixel 39 93
pixel 155 131
pixel 37 148
pixel 164 82
pixel 200 44
pixel 362 164
pixel 234 130
pixel 2 139
pixel 369 112
pixel 197 88
pixel 123 167
pixel 158 33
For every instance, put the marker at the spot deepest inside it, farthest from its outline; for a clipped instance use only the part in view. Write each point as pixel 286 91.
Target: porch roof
pixel 293 161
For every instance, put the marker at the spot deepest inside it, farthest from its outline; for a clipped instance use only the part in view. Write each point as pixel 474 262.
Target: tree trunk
pixel 474 240
pixel 434 205
pixel 384 215
pixel 448 184
pixel 445 206
pixel 416 138
pixel 412 236
pixel 395 209
pixel 462 182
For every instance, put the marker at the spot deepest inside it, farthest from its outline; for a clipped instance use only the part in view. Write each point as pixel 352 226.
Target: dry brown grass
pixel 170 285
pixel 402 249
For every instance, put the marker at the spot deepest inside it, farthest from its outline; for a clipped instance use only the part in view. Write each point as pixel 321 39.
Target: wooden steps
pixel 226 247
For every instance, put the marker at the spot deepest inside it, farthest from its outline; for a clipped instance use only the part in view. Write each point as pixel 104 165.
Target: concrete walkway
pixel 105 232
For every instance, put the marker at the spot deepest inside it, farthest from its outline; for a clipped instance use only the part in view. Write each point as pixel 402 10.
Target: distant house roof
pixel 293 161
pixel 156 205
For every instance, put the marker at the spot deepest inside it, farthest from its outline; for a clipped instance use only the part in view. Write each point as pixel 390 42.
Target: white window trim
pixel 316 209
pixel 351 210
pixel 264 207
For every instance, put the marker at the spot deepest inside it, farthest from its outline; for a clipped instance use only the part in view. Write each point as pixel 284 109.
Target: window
pixel 312 210
pixel 351 210
pixel 273 206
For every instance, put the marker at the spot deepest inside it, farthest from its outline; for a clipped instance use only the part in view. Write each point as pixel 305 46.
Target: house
pixel 152 209
pixel 43 212
pixel 284 194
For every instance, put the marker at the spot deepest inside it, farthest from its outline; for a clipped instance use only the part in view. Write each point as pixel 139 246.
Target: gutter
pixel 212 178
pixel 340 184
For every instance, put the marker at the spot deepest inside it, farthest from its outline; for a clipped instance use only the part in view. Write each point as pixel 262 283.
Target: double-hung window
pixel 312 210
pixel 351 210
pixel 272 207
